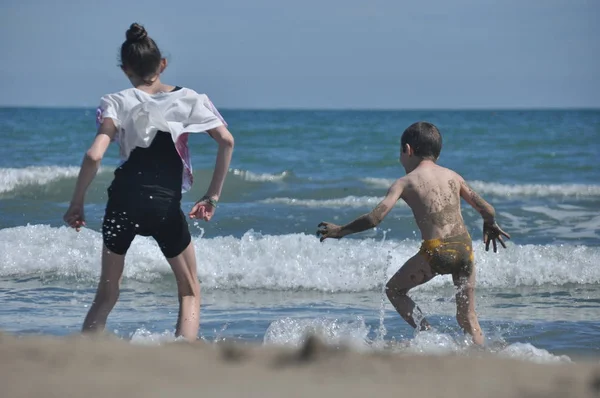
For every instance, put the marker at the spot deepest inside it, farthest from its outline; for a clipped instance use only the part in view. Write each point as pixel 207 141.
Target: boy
pixel 433 193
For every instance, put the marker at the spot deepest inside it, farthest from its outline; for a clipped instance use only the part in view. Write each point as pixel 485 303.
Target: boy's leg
pixel 414 272
pixel 465 305
pixel 188 291
pixel 107 293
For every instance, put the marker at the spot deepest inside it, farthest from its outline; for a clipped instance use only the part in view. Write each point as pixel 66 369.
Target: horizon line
pixel 342 109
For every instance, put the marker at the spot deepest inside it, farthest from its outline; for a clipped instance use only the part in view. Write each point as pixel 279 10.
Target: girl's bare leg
pixel 188 291
pixel 107 293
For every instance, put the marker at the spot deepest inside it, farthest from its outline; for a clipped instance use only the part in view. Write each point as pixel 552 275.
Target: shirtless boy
pixel 433 193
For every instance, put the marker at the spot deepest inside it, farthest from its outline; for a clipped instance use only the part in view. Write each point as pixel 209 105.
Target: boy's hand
pixel 491 232
pixel 328 230
pixel 74 217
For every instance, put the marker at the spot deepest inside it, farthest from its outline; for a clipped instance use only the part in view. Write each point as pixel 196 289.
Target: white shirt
pixel 138 116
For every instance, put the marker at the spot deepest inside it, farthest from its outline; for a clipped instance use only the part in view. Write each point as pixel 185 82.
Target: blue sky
pixel 312 54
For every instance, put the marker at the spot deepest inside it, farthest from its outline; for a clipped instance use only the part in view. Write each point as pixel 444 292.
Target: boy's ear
pixel 408 150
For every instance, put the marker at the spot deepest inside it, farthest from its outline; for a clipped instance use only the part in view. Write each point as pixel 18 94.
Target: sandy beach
pixel 105 366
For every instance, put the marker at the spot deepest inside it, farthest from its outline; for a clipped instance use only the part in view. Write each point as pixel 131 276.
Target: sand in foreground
pixel 108 367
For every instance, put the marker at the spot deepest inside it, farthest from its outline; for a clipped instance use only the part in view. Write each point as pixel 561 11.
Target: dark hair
pixel 140 54
pixel 424 138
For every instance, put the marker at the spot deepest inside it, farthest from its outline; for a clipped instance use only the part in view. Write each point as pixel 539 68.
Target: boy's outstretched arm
pixel 491 230
pixel 366 221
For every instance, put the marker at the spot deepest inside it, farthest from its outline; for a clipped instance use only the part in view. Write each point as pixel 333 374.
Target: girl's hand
pixel 74 217
pixel 204 209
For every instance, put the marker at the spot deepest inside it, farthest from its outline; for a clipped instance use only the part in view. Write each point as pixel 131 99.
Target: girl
pixel 151 123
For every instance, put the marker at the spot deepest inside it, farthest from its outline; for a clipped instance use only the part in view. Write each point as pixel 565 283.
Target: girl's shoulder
pixel 120 99
pixel 188 92
pixel 128 92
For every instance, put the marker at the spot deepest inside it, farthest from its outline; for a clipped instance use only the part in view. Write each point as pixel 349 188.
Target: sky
pixel 315 54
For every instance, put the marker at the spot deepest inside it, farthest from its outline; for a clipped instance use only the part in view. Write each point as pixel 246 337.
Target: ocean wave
pixel 518 190
pixel 359 336
pixel 11 178
pixel 286 262
pixel 31 180
pixel 348 201
pixel 259 177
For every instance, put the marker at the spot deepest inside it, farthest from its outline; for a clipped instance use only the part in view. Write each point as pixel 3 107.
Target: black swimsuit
pixel 145 199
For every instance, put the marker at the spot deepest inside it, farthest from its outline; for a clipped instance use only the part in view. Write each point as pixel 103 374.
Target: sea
pixel 266 278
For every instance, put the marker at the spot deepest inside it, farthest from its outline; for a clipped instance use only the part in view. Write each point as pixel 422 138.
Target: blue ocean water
pixel 266 278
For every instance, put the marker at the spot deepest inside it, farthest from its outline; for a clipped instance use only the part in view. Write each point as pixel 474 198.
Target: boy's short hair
pixel 424 138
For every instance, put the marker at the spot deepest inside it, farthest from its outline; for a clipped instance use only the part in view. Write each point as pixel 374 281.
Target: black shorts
pixel 146 212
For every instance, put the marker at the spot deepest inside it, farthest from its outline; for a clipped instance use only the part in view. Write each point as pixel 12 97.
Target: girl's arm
pixel 74 216
pixel 205 207
pixel 226 143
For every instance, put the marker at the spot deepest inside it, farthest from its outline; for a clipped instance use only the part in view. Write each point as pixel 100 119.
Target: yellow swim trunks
pixel 449 255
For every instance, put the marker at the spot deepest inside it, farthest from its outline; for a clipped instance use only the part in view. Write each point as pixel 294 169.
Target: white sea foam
pixel 294 331
pixel 348 201
pixel 36 175
pixel 355 334
pixel 13 178
pixel 284 262
pixel 531 353
pixel 259 177
pixel 518 190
